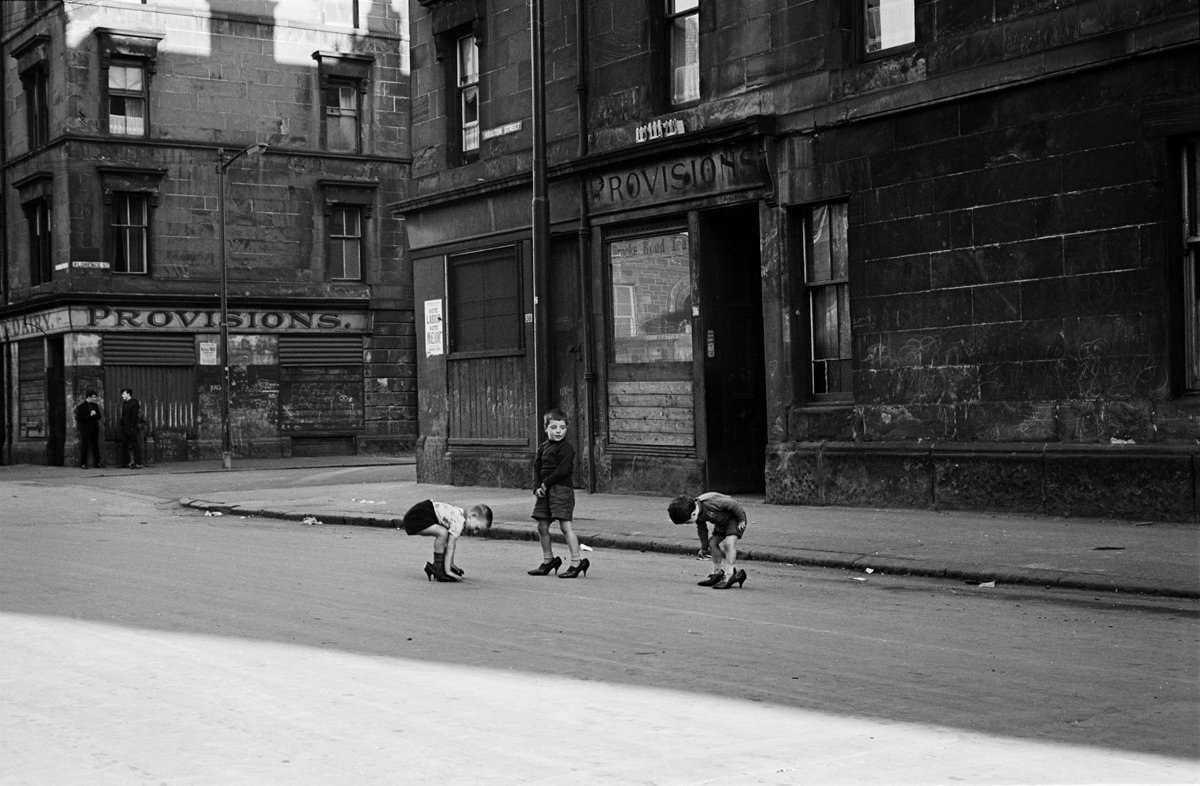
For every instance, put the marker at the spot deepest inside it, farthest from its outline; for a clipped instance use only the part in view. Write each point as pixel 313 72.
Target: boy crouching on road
pixel 445 523
pixel 728 522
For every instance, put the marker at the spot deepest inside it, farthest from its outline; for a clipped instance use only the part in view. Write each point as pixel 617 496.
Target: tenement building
pixel 186 177
pixel 848 252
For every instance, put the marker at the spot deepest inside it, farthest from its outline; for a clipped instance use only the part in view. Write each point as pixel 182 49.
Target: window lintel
pixel 134 45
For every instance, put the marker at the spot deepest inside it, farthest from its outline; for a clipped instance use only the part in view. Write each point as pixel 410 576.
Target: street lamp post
pixel 223 165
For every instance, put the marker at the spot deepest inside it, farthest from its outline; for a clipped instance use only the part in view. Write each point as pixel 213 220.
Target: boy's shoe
pixel 738 577
pixel 712 579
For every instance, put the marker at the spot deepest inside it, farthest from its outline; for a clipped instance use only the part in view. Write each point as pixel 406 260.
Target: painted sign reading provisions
pixel 104 318
pixel 84 318
pixel 682 177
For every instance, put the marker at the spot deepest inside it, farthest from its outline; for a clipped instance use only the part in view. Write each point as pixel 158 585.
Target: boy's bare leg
pixel 543 526
pixel 729 547
pixel 569 535
pixel 714 551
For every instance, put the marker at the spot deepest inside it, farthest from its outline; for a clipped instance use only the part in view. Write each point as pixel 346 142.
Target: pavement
pixel 1101 555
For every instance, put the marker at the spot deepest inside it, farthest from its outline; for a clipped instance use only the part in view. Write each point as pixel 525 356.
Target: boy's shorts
pixel 722 531
pixel 558 503
pixel 420 517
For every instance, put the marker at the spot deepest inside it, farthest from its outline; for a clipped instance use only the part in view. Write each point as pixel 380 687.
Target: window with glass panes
pixel 468 92
pixel 345 243
pixel 683 36
pixel 827 285
pixel 131 233
pixel 342 110
pixel 126 98
pixel 888 24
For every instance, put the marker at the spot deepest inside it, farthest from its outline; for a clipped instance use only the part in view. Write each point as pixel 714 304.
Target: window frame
pixel 671 16
pixel 510 255
pixel 864 14
pixel 335 240
pixel 36 83
pixel 39 227
pixel 666 230
pixel 142 95
pixel 118 255
pixel 467 89
pixel 1189 235
pixel 342 86
pixel 811 287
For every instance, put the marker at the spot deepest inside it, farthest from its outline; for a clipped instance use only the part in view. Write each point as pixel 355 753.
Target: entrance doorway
pixel 731 346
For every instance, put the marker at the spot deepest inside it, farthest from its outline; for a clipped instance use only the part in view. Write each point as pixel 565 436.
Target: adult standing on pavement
pixel 88 416
pixel 131 431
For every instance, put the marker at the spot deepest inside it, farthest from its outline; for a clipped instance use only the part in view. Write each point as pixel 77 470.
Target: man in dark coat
pixel 88 417
pixel 131 429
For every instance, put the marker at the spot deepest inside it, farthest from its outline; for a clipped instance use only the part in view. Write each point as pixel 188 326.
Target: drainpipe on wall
pixel 541 205
pixel 585 246
pixel 5 355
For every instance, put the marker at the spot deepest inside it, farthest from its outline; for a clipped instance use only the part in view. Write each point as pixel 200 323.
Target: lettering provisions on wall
pixel 682 177
pixel 108 318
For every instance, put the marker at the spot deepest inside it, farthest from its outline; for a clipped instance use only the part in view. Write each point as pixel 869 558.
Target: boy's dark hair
pixel 89 393
pixel 127 390
pixel 680 509
pixel 554 414
pixel 484 512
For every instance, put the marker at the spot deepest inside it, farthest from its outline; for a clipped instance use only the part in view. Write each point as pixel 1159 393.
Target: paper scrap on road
pixel 213 513
pixel 310 521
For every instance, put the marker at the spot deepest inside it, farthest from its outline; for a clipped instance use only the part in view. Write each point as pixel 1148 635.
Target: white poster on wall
pixel 434 331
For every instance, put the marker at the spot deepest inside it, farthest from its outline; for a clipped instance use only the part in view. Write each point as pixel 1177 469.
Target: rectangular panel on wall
pixel 313 399
pixel 31 391
pixel 320 350
pixel 489 401
pixel 651 413
pixel 159 349
pixel 167 395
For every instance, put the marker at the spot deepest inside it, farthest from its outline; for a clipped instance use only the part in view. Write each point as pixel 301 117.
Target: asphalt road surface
pixel 148 643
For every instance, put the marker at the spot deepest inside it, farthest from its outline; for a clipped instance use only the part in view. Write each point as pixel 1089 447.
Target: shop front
pixel 296 374
pixel 646 328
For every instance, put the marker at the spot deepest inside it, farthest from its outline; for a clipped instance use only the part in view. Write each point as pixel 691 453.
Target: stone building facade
pixel 909 253
pixel 122 122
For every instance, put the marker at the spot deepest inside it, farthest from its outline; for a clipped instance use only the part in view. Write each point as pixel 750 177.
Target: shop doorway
pixel 56 403
pixel 731 348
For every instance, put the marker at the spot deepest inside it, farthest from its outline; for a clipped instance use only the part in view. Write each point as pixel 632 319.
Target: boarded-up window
pixel 320 384
pixel 161 371
pixel 485 302
pixel 31 394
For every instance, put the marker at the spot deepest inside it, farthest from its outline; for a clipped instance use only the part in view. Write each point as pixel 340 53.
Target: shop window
pixel 37 105
pixel 130 233
pixel 651 298
pixel 888 24
pixel 484 302
pixel 37 222
pixel 683 50
pixel 827 290
pixel 345 243
pixel 1190 165
pixel 467 78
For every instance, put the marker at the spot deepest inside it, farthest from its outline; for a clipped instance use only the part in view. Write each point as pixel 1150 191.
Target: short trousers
pixel 722 531
pixel 420 517
pixel 558 503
